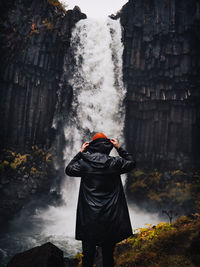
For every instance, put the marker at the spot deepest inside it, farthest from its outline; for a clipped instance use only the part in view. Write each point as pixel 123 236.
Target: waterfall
pixel 97 106
pixel 98 90
pixel 97 85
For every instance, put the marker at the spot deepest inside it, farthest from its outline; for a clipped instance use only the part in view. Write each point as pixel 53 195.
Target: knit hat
pixel 99 135
pixel 100 143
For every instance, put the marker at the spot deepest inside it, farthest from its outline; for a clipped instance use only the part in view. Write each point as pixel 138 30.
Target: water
pixel 98 95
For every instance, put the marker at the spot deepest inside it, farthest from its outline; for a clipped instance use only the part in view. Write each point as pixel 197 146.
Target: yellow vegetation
pixel 78 256
pixel 33 170
pixel 19 159
pixel 154 196
pixel 162 245
pixel 174 172
pixel 23 162
pixel 138 172
pixel 47 24
pixel 57 4
pixel 48 156
pixel 180 190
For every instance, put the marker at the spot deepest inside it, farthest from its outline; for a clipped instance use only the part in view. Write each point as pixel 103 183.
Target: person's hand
pixel 115 143
pixel 84 146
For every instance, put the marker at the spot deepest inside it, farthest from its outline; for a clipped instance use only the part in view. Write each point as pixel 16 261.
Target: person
pixel 102 217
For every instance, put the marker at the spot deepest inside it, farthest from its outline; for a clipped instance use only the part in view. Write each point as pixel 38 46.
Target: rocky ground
pixel 165 244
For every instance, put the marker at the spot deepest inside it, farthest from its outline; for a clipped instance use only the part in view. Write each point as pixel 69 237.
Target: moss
pixel 137 172
pixel 33 170
pixel 155 177
pixel 138 184
pixel 48 157
pixel 175 172
pixel 177 190
pixel 184 193
pixel 154 196
pixel 13 165
pixel 162 245
pixel 78 256
pixel 57 4
pixel 24 163
pixel 19 159
pixel 48 24
pixel 4 164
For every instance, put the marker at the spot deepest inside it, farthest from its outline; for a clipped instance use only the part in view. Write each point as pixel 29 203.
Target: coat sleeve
pixel 74 167
pixel 125 163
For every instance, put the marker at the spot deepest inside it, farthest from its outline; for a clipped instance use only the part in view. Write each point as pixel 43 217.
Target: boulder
pixel 46 255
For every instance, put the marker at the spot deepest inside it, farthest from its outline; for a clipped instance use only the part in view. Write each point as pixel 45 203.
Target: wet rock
pixel 21 195
pixel 5 180
pixel 46 255
pixel 166 176
pixel 35 37
pixel 70 262
pixel 162 104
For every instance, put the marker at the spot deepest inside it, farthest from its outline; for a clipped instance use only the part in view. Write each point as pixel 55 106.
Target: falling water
pixel 97 85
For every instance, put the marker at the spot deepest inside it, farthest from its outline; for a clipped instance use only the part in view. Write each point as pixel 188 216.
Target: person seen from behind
pixel 102 217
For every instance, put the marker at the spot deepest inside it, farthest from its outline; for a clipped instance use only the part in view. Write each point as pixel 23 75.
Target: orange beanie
pixel 99 135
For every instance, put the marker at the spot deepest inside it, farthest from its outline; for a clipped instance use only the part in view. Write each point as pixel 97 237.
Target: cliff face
pixel 162 75
pixel 34 39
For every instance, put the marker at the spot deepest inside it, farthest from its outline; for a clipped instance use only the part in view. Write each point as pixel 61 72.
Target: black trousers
pixel 89 250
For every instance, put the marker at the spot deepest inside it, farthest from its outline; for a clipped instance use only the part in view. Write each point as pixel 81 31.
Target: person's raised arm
pixel 74 167
pixel 125 162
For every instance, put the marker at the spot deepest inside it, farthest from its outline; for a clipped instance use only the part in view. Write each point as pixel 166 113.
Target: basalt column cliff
pixel 162 75
pixel 35 38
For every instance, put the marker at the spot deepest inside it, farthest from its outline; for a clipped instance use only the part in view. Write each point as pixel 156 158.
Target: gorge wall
pixel 162 75
pixel 34 39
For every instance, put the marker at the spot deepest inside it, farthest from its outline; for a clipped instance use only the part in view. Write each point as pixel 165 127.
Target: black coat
pixel 102 212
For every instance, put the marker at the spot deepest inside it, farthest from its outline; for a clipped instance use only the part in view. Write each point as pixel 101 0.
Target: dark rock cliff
pixel 162 73
pixel 34 39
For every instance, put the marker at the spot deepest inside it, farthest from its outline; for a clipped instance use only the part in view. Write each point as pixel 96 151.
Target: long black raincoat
pixel 102 212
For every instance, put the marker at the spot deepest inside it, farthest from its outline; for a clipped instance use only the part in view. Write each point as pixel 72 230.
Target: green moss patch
pixel 176 244
pixel 35 161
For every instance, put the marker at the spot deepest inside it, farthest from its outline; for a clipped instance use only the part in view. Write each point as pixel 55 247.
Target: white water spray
pixel 97 85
